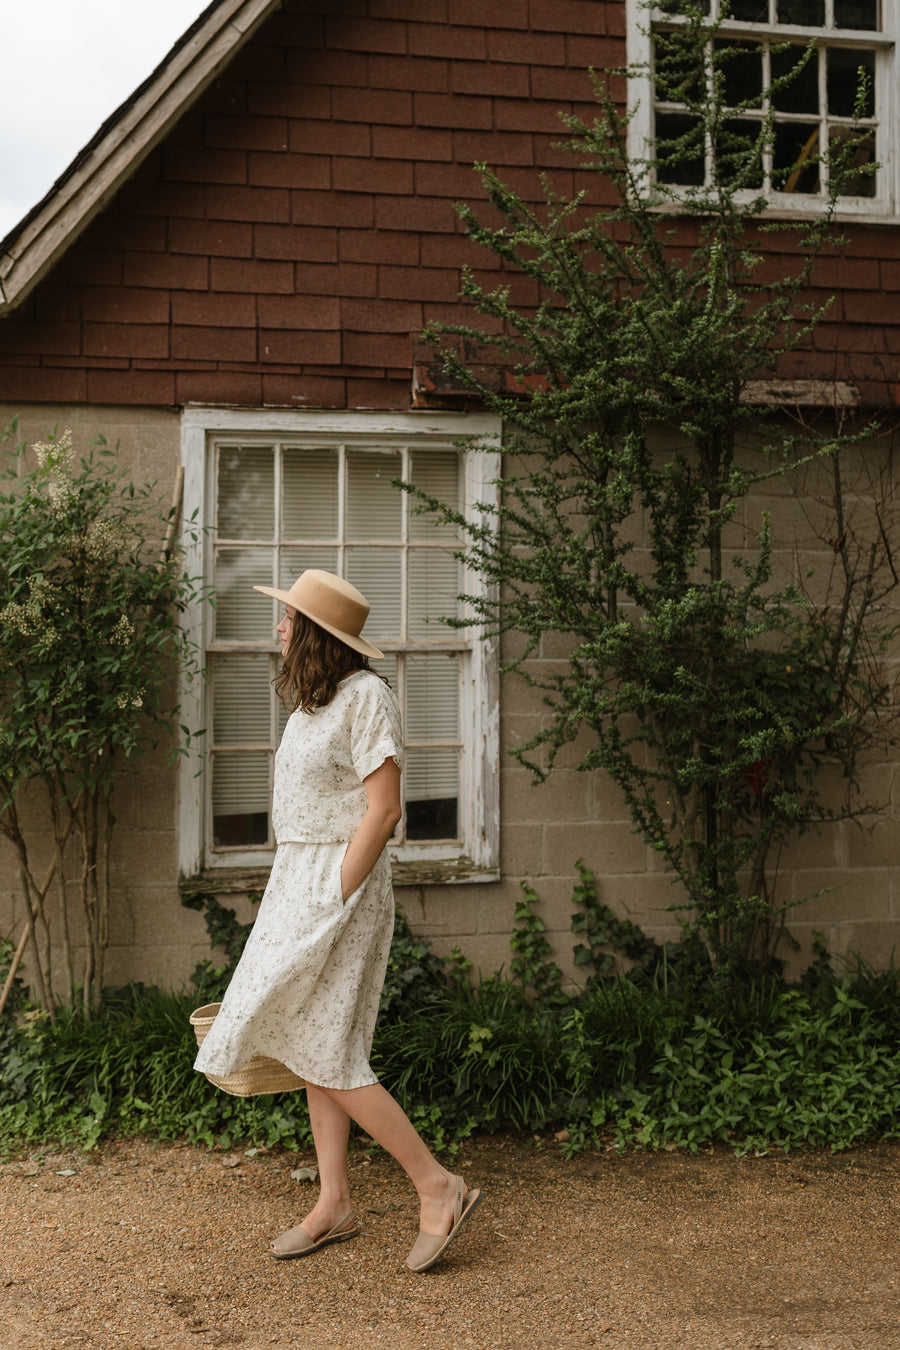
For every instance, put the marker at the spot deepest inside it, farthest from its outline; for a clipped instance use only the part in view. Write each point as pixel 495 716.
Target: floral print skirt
pixel 307 987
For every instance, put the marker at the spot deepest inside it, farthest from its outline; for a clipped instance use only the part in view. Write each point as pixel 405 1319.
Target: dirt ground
pixel 141 1245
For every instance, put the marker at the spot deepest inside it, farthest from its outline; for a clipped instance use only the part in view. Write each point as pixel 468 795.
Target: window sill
pixel 423 872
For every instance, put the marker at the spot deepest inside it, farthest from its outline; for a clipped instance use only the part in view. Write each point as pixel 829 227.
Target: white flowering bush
pixel 91 588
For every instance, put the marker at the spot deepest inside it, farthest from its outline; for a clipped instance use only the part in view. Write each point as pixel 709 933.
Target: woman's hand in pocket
pixel 365 848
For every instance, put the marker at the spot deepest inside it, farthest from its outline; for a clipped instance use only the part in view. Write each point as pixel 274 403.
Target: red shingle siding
pixel 295 231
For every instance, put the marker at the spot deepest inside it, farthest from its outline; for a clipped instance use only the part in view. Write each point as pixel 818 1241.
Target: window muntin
pixel 816 109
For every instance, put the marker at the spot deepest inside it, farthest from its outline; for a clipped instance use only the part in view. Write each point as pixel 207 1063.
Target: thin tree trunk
pixel 59 840
pixel 34 913
pixel 102 878
pixel 87 831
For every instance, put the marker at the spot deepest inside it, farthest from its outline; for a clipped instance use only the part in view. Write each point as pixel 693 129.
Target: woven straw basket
pixel 253 1079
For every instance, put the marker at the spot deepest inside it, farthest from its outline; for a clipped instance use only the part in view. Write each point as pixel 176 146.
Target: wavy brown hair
pixel 314 665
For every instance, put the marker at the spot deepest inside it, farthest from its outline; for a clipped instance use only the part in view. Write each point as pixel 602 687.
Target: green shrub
pixel 667 1054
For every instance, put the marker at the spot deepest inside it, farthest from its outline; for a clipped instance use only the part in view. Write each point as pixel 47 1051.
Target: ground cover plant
pixel 668 1054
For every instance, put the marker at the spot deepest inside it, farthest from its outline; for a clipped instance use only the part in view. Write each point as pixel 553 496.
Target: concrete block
pixel 521 850
pixel 875 844
pixel 825 847
pixel 611 849
pixel 876 943
pixel 846 895
pixel 564 797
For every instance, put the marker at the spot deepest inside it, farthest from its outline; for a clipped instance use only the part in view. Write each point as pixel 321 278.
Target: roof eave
pixel 123 142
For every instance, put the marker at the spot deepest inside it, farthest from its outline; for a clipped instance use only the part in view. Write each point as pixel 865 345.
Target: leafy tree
pixel 89 605
pixel 714 692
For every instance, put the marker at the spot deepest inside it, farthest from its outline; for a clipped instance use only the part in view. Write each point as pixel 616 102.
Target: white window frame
pixel 883 208
pixel 477 858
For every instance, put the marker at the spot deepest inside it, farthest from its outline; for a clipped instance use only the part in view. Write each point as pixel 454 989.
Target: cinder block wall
pixel 544 829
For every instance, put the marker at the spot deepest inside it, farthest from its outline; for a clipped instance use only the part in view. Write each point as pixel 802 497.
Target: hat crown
pixel 329 600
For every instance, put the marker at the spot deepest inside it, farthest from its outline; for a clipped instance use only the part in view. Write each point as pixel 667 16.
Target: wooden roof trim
pixel 123 142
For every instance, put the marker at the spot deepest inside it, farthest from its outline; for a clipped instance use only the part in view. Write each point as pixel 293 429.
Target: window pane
pixel 377 573
pixel 432 794
pixel 679 77
pixel 309 494
pixel 297 560
pixel 242 614
pixel 240 794
pixel 738 153
pixel 241 698
pixel 856 14
pixel 679 6
pixel 802 11
pixel 857 184
pixel 387 667
pixel 843 77
pixel 438 475
pixel 374 507
pixel 246 500
pixel 434 584
pixel 432 697
pixel 795 144
pixel 679 150
pixel 801 92
pixel 750 11
pixel 741 67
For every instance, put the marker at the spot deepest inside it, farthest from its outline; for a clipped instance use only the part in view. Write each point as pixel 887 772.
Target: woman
pixel 306 989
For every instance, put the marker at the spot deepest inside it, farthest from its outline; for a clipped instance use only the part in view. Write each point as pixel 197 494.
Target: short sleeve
pixel 375 733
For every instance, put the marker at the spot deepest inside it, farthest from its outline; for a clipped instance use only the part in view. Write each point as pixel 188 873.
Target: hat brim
pixel 359 644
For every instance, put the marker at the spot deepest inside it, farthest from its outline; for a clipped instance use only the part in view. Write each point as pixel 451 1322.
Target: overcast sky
pixel 67 64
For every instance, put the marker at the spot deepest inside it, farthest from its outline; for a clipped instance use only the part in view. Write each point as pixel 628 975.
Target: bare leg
pixel 376 1111
pixel 331 1131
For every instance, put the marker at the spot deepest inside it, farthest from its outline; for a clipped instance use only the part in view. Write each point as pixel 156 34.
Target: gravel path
pixel 141 1245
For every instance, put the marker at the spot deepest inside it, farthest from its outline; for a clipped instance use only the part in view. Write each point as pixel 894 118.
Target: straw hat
pixel 330 602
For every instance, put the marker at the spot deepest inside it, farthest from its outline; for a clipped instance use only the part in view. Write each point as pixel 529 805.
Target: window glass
pixel 800 69
pixel 681 6
pixel 295 560
pixel 741 67
pixel 795 168
pixel 844 67
pixel 811 12
pixel 439 475
pixel 378 573
pixel 434 585
pixel 240 799
pixel 679 152
pixel 432 697
pixel 432 794
pixel 856 14
pixel 857 184
pixel 309 494
pixel 387 667
pixel 374 505
pixel 246 508
pixel 240 698
pixel 241 613
pixel 739 152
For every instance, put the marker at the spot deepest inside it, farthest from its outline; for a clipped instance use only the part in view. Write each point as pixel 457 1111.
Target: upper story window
pixel 282 492
pixel 755 46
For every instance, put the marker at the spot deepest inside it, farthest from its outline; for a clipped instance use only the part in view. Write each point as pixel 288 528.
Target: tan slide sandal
pixel 429 1247
pixel 297 1242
